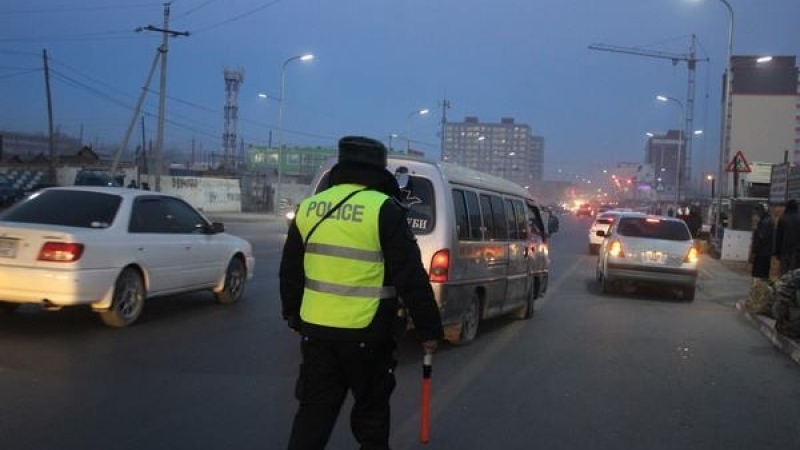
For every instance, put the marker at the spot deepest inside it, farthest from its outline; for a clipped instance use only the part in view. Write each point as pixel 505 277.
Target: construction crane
pixel 691 61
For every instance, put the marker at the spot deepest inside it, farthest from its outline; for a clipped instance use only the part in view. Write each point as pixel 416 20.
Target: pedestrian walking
pixel 762 244
pixel 787 238
pixel 349 257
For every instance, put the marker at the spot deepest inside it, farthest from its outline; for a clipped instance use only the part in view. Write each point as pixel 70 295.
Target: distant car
pixel 112 248
pixel 603 222
pixel 95 178
pixel 585 210
pixel 646 249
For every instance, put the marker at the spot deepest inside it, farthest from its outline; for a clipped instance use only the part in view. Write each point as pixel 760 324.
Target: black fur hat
pixel 362 150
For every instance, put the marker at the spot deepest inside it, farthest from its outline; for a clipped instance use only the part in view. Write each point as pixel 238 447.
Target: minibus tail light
pixel 440 266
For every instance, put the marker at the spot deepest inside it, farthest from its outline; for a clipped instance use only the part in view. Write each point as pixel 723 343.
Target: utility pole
pixel 445 107
pixel 162 92
pixel 124 144
pixel 52 138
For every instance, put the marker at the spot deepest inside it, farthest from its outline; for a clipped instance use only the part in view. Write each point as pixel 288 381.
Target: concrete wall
pixel 205 194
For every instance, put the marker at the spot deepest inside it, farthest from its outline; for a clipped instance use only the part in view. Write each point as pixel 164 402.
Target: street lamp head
pixel 662 98
pixel 307 57
pixel 763 59
pixel 422 112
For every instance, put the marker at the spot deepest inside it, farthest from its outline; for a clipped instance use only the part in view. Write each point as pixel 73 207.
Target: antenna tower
pixel 233 80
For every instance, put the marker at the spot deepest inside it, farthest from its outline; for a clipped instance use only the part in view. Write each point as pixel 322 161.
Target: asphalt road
pixel 641 370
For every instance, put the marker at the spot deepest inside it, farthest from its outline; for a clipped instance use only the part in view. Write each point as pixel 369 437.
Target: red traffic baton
pixel 425 413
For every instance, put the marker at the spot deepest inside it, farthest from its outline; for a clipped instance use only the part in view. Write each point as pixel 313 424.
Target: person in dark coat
pixel 787 238
pixel 761 247
pixel 346 316
pixel 694 221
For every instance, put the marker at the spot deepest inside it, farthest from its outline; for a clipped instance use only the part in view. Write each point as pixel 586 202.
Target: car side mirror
pixel 217 227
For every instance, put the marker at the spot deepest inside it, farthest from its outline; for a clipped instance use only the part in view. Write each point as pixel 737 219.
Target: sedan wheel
pixel 688 293
pixel 605 284
pixel 235 277
pixel 128 301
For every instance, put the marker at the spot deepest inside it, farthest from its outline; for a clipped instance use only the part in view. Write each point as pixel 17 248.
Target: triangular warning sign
pixel 738 164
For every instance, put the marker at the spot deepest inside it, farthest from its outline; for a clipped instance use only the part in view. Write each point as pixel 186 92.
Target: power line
pixel 77 8
pixel 195 9
pixel 24 72
pixel 69 80
pixel 240 16
pixel 102 83
pixel 104 35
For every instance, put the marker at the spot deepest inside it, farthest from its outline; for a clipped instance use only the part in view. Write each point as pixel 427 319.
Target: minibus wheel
pixel 466 331
pixel 526 311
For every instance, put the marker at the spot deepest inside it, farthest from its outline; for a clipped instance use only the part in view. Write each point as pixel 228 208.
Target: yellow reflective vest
pixel 343 261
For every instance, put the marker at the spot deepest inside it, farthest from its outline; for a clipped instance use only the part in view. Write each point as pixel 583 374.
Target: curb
pixel 767 327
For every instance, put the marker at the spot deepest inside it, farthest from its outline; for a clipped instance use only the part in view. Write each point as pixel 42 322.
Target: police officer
pixel 349 255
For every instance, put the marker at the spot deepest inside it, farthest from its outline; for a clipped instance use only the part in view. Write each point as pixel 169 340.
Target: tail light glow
pixel 440 266
pixel 615 249
pixel 60 252
pixel 691 256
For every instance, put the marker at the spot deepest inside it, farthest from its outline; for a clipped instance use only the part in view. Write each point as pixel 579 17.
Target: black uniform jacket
pixel 403 268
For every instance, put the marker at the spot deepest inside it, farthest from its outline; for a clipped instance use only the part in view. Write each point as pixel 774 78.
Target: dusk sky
pixel 377 61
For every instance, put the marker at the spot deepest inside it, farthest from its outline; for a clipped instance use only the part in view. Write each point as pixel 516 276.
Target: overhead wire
pixel 24 72
pixel 105 35
pixel 237 17
pixel 78 8
pixel 193 10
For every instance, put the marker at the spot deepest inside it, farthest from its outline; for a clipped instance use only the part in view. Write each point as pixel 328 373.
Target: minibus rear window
pixel 421 205
pixel 418 197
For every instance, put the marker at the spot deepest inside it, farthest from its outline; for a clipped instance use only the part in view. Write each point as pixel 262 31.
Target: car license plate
pixel 8 248
pixel 653 257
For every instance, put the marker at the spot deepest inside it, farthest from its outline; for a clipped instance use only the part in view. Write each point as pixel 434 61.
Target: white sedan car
pixel 639 248
pixel 112 248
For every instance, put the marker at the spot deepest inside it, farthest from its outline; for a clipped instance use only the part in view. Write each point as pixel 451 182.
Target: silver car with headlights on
pixel 645 249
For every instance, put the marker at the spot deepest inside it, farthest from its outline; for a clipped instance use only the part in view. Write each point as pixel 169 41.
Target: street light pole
pixel 723 151
pixel 419 112
pixel 710 178
pixel 306 57
pixel 681 137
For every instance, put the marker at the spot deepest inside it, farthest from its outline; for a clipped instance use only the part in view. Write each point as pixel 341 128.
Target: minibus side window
pixel 537 226
pixel 488 218
pixel 462 220
pixel 474 214
pixel 499 218
pixel 522 221
pixel 500 224
pixel 511 221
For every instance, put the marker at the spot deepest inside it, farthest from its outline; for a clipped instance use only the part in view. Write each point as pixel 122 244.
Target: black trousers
pixel 329 370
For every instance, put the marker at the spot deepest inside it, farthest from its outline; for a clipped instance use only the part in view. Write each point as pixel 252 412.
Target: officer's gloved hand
pixel 293 322
pixel 430 346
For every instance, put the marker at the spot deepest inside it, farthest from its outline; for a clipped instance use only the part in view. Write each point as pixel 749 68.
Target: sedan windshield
pixel 68 208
